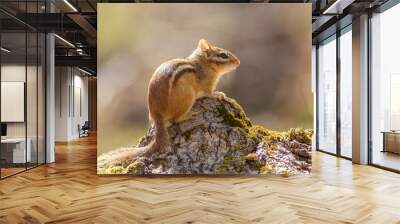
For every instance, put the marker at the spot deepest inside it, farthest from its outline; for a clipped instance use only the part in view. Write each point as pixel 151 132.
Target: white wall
pixel 71 102
pixel 62 81
pixel 16 73
pixel 80 110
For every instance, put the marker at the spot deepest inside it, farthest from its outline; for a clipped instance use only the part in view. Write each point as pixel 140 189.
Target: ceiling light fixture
pixel 337 7
pixel 84 71
pixel 5 50
pixel 70 5
pixel 79 51
pixel 65 41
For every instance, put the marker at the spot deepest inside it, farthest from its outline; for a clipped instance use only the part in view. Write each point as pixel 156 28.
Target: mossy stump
pixel 220 139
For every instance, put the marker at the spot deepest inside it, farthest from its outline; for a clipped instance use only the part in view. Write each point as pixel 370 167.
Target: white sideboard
pixel 18 145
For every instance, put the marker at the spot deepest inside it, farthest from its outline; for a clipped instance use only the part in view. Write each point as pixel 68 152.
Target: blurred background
pixel 273 82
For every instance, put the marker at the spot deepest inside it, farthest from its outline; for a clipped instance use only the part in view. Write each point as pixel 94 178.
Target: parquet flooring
pixel 69 191
pixel 10 171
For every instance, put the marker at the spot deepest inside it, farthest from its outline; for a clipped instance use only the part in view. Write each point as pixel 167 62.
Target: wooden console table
pixel 391 141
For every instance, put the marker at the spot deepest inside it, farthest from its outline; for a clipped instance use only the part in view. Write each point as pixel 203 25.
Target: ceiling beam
pixel 320 22
pixel 78 61
pixel 86 26
pixel 49 22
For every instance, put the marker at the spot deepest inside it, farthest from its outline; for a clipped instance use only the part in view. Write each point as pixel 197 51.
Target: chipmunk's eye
pixel 223 55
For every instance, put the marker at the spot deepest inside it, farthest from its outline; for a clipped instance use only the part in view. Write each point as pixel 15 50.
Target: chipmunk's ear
pixel 204 45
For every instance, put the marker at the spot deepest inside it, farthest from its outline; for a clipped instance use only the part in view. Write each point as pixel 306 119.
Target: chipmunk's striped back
pixel 180 69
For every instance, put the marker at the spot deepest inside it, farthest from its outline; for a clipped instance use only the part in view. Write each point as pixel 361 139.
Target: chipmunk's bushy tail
pixel 161 140
pixel 125 156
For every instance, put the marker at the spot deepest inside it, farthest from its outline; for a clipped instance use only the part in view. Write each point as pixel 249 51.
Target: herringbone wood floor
pixel 69 191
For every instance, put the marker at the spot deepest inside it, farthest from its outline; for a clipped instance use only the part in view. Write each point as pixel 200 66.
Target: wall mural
pixel 204 89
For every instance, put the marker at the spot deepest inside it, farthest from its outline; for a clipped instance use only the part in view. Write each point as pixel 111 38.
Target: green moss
pixel 274 136
pixel 259 133
pixel 263 170
pixel 101 171
pixel 258 130
pixel 251 157
pixel 111 170
pixel 267 168
pixel 256 133
pixel 237 106
pixel 252 162
pixel 233 159
pixel 223 168
pixel 116 169
pixel 301 135
pixel 203 148
pixel 232 119
pixel 134 167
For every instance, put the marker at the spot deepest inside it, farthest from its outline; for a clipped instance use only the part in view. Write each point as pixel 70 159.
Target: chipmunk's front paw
pixel 219 95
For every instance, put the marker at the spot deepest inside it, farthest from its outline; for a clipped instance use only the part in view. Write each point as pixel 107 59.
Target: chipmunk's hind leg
pixel 182 100
pixel 185 116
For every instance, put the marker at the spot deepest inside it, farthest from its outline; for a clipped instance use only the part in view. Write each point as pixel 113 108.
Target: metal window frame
pixel 387 5
pixel 339 32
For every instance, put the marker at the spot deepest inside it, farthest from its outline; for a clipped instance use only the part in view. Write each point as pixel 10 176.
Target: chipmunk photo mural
pixel 175 86
pixel 204 89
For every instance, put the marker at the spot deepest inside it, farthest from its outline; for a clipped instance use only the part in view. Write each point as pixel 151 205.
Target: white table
pixel 18 145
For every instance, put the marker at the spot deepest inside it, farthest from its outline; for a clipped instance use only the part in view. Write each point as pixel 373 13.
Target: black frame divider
pixel 26 88
pixel 369 101
pixel 37 90
pixel 0 99
pixel 316 97
pixel 338 76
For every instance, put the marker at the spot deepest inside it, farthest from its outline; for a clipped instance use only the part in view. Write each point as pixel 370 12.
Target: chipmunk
pixel 175 86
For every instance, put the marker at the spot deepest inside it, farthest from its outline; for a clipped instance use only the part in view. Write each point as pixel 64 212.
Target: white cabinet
pixel 19 155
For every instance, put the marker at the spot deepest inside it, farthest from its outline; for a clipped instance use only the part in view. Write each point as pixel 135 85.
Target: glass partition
pixel 385 89
pixel 334 94
pixel 326 99
pixel 22 89
pixel 14 153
